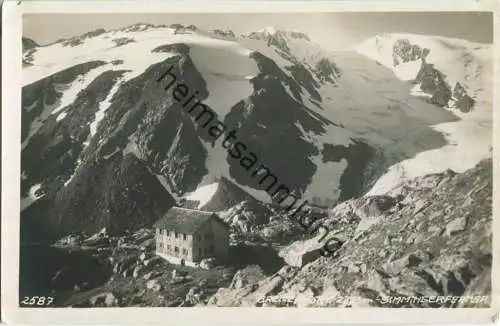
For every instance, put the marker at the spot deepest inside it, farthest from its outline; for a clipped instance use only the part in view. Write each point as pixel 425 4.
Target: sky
pixel 332 30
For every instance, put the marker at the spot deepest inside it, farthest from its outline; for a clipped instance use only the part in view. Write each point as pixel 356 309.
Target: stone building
pixel 186 236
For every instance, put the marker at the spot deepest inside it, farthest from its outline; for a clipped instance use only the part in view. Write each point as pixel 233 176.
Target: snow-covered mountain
pixel 454 74
pixel 104 145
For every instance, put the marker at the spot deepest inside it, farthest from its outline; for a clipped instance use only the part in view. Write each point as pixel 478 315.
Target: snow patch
pixel 325 183
pixel 61 116
pixel 103 106
pixel 131 148
pixel 408 70
pixel 111 154
pixel 417 91
pixel 81 83
pixel 269 30
pixel 203 194
pixel 32 196
pixel 78 162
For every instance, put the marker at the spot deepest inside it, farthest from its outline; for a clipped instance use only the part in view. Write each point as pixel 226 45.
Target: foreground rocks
pixel 136 275
pixel 250 286
pixel 430 237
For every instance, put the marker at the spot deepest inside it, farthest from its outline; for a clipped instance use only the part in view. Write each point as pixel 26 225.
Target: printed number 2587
pixel 37 301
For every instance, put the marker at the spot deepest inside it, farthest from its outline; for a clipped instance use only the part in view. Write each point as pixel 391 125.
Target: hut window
pixel 209 236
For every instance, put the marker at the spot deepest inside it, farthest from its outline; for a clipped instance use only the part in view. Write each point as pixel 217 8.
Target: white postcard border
pixel 11 118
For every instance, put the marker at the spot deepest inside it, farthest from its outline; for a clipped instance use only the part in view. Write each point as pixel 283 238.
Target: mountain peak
pixel 272 31
pixel 269 30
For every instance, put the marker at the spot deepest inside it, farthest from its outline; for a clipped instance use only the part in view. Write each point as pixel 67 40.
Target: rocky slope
pixel 29 47
pixel 430 237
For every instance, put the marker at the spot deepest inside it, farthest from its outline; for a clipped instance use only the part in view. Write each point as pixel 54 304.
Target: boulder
pixel 141 235
pixel 376 282
pixel 366 223
pixel 420 205
pixel 194 296
pixel 375 206
pixel 202 283
pixel 397 266
pixel 127 272
pixel 353 268
pixel 372 211
pixel 478 292
pixel 456 226
pixel 147 245
pixel 178 273
pixel 70 240
pixel 97 300
pixel 151 275
pixel 249 275
pixel 104 251
pixel 287 272
pixel 207 263
pixel 106 299
pixel 305 298
pixel 137 271
pixel 98 239
pixel 110 300
pixel 160 300
pixel 124 264
pixel 152 261
pixel 329 294
pixel 302 252
pixel 153 285
pixel 267 286
pixel 181 279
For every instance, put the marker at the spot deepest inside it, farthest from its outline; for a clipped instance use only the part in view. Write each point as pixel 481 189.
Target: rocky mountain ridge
pixel 97 109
